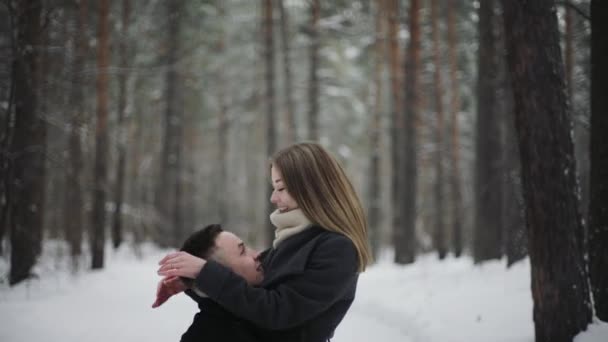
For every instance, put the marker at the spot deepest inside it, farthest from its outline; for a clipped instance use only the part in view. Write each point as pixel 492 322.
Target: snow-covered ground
pixel 430 300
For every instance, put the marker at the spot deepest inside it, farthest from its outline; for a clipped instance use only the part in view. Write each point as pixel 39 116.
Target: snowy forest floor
pixel 451 300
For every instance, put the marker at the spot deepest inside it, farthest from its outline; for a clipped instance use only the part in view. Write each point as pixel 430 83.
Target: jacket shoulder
pixel 317 248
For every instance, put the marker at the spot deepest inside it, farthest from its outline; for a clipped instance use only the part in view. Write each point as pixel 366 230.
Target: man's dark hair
pixel 202 242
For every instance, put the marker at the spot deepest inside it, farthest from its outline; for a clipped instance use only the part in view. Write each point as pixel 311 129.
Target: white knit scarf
pixel 288 224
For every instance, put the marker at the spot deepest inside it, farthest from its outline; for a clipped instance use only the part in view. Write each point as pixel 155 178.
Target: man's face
pixel 242 260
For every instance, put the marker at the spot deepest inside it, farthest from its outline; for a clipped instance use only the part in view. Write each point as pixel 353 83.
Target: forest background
pixel 468 127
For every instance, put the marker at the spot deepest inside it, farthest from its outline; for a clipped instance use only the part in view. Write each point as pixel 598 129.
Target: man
pixel 213 322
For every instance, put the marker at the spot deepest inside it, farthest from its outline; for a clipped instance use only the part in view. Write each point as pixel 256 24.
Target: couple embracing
pixel 299 289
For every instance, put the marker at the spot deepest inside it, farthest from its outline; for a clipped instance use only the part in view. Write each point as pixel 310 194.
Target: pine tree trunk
pixel 223 127
pixel 397 116
pixel 138 187
pixel 598 212
pixel 542 121
pixel 28 146
pixel 569 53
pixel 515 238
pixel 313 87
pixel 46 62
pixel 455 175
pixel 117 231
pixel 374 137
pixel 7 118
pixel 290 119
pixel 101 137
pixel 167 197
pixel 405 243
pixel 270 111
pixel 488 165
pixel 514 227
pixel 74 208
pixel 439 232
pixel 581 128
pixel 175 106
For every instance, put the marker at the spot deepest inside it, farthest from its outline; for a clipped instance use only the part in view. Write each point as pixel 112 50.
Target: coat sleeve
pixel 331 271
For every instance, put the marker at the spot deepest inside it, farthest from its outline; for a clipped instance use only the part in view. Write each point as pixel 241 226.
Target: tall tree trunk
pixel 46 62
pixel 267 25
pixel 373 192
pixel 405 238
pixel 117 231
pixel 439 232
pixel 581 129
pixel 514 226
pixel 598 212
pixel 455 175
pixel 515 239
pixel 6 132
pixel 74 208
pixel 569 53
pixel 290 119
pixel 28 146
pixel 397 115
pixel 542 121
pixel 313 87
pixel 138 187
pixel 488 164
pixel 223 127
pixel 167 197
pixel 101 137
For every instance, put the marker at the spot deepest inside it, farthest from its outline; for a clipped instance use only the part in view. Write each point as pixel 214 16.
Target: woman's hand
pixel 181 264
pixel 168 287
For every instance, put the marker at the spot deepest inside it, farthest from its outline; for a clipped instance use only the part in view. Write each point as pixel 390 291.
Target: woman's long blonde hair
pixel 318 183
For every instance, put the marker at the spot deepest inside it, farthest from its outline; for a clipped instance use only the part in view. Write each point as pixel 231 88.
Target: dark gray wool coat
pixel 213 323
pixel 310 281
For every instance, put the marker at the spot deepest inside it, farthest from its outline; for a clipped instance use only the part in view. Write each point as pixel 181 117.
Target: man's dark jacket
pixel 309 283
pixel 214 323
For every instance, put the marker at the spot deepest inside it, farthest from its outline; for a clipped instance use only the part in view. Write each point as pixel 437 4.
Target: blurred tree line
pixel 467 126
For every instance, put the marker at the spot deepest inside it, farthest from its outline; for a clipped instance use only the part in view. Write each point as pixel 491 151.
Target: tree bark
pixel 168 196
pixel 598 212
pixel 569 53
pixel 101 137
pixel 28 146
pixel 543 124
pixel 514 227
pixel 223 129
pixel 439 231
pixel 74 208
pixel 290 119
pixel 373 192
pixel 313 87
pixel 405 238
pixel 488 164
pixel 515 239
pixel 6 132
pixel 397 115
pixel 117 231
pixel 267 25
pixel 455 174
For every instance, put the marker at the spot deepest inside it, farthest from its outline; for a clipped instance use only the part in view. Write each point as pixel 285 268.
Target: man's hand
pixel 167 287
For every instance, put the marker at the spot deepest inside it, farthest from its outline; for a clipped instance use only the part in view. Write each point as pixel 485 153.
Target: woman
pixel 311 271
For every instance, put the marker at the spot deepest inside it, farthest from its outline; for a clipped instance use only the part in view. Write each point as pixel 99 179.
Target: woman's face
pixel 280 196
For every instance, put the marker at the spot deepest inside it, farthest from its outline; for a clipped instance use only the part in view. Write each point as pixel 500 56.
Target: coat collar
pixel 290 257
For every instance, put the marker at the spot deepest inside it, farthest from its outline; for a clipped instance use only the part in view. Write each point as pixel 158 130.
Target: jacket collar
pixel 290 257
